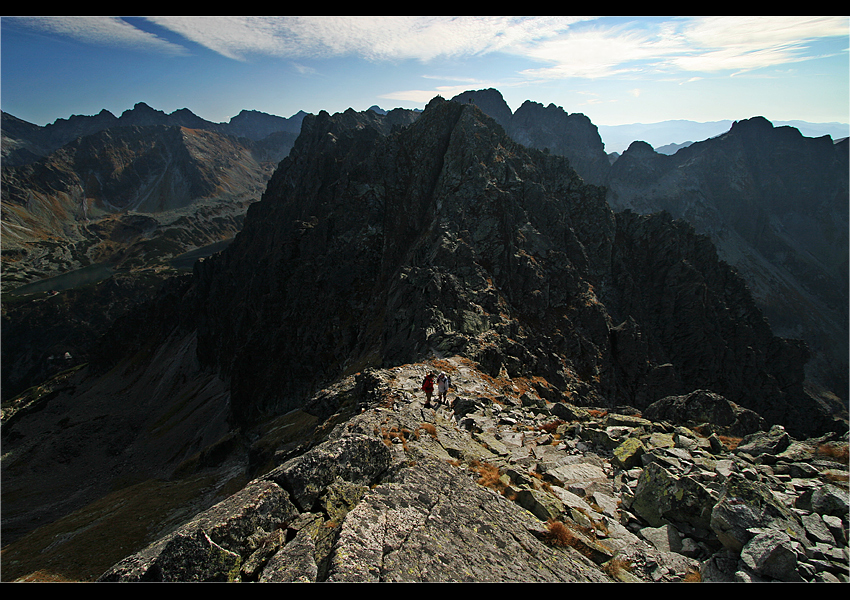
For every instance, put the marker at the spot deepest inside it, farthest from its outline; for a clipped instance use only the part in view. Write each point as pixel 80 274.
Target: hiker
pixel 428 388
pixel 443 383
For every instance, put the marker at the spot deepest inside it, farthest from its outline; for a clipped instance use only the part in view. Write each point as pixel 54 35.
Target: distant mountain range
pixel 24 142
pixel 681 133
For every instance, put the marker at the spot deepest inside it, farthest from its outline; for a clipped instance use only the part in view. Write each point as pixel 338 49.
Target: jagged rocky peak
pixel 490 101
pixel 367 223
pixel 754 124
pixel 375 246
pixel 547 128
pixel 142 114
pixel 775 204
pixel 257 125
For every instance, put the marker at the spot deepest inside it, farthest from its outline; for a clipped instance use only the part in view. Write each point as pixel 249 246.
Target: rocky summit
pixel 497 484
pixel 620 409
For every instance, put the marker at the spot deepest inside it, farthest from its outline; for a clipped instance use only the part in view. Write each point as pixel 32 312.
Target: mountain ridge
pixel 41 141
pixel 789 284
pixel 381 244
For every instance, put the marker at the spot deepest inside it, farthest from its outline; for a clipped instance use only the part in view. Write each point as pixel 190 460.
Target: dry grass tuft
pixel 837 452
pixel 559 534
pixel 551 427
pixel 838 478
pixel 440 364
pixel 563 536
pixel 394 433
pixel 615 566
pixel 490 476
pixel 429 428
pixel 729 442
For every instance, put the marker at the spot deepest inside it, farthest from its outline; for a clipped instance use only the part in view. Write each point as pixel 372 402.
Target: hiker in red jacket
pixel 428 388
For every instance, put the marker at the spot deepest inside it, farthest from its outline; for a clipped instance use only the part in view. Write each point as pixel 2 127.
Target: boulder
pixel 705 407
pixel 747 505
pixel 355 459
pixel 628 454
pixel 210 546
pixel 663 498
pixel 772 442
pixel 771 554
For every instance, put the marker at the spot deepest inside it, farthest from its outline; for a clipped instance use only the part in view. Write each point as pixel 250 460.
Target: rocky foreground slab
pixel 502 485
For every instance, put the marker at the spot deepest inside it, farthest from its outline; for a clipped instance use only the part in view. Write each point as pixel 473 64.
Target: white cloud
pixel 703 45
pixel 563 46
pixel 103 31
pixel 748 43
pixel 372 38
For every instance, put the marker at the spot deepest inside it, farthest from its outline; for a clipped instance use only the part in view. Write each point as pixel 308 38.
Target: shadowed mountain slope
pixel 449 237
pixel 377 245
pixel 775 203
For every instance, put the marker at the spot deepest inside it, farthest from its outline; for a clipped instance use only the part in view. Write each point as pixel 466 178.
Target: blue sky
pixel 616 70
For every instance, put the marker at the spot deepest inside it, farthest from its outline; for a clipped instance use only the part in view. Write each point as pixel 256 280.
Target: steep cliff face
pixel 775 204
pixel 548 128
pixel 447 237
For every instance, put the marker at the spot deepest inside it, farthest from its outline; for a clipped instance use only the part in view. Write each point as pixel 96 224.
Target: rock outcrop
pixel 495 487
pixel 548 128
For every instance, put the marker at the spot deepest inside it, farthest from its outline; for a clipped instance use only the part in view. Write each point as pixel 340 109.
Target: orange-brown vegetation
pixel 729 442
pixel 615 566
pixel 837 452
pixel 489 476
pixel 429 428
pixel 440 364
pixel 543 485
pixel 836 477
pixel 560 534
pixel 551 427
pixel 394 433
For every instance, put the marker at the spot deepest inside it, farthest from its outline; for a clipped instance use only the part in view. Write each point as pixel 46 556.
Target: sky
pixel 615 70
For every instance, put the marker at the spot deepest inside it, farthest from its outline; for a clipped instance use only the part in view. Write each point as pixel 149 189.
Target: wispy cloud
pixel 748 43
pixel 101 31
pixel 688 45
pixel 564 47
pixel 372 38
